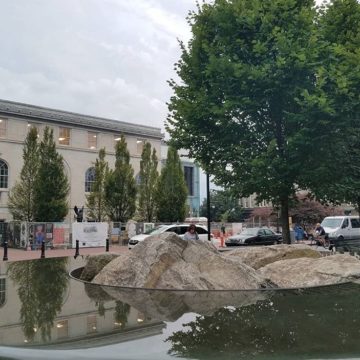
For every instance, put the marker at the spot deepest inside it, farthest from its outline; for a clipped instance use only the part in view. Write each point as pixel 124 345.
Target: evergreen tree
pixel 21 198
pixel 171 190
pixel 96 199
pixel 51 187
pixel 148 180
pixel 120 186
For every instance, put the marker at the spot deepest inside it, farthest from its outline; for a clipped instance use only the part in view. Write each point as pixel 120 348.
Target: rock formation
pixel 304 272
pixel 167 262
pixel 259 256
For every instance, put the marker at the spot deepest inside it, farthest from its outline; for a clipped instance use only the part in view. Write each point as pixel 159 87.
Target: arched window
pixel 2 291
pixel 89 179
pixel 4 173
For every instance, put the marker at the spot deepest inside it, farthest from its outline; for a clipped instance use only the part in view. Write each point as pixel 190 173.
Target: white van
pixel 342 227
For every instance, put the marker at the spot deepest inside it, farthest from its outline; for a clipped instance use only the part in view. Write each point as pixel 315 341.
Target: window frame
pixel 89 182
pixel 4 174
pixel 3 127
pixel 92 144
pixel 64 139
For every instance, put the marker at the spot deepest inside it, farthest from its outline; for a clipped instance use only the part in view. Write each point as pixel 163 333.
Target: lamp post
pixel 208 204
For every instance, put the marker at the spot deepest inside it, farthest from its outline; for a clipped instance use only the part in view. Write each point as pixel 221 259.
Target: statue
pixel 79 213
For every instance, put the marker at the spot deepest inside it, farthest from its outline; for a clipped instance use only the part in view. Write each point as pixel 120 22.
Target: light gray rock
pixel 94 264
pixel 304 272
pixel 167 262
pixel 259 256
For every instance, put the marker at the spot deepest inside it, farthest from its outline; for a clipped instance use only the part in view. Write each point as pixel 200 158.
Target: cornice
pixel 39 113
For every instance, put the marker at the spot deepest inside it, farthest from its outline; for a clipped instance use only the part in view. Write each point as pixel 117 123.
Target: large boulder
pixel 94 264
pixel 259 256
pixel 167 262
pixel 304 272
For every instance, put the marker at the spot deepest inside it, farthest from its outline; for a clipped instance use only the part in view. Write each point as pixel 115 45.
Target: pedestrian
pixel 191 233
pixel 223 229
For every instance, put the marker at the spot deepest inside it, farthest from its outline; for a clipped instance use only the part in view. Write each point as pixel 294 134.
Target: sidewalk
pixel 21 254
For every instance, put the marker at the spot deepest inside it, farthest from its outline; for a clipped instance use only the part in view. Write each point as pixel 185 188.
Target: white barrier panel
pixel 89 234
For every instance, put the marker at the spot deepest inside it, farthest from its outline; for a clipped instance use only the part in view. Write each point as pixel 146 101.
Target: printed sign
pixel 89 234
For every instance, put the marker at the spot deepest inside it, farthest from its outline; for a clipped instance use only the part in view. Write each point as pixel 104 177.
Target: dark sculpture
pixel 79 213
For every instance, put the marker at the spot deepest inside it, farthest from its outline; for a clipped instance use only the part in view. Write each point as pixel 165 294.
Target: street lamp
pixel 208 203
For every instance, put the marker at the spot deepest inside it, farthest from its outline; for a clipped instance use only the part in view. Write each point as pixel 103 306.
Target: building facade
pixel 78 137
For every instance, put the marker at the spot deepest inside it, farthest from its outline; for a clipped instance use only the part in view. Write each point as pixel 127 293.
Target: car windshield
pixel 154 231
pixel 331 223
pixel 249 232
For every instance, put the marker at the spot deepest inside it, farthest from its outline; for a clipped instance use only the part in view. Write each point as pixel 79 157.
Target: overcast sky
pixel 109 58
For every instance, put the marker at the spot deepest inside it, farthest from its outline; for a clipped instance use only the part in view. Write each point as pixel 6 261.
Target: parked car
pixel 179 229
pixel 254 236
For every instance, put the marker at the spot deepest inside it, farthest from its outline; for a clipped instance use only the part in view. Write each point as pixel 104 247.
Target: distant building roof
pixel 39 113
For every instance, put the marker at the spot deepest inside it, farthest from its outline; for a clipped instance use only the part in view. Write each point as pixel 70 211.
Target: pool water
pixel 45 314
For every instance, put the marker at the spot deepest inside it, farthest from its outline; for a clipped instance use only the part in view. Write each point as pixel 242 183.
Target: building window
pixel 140 146
pixel 62 329
pixel 138 179
pixel 92 140
pixel 189 179
pixel 4 174
pixel 91 324
pixel 89 179
pixel 2 291
pixel 3 123
pixel 64 136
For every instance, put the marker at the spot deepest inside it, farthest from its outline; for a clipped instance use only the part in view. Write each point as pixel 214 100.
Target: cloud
pixel 108 58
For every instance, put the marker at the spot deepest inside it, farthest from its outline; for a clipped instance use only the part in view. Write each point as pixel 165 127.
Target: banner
pixel 89 234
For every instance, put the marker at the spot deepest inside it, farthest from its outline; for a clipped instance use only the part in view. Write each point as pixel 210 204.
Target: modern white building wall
pixel 79 138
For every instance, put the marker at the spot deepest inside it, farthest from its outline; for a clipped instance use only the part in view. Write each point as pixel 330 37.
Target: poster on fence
pixel 61 233
pixel 89 234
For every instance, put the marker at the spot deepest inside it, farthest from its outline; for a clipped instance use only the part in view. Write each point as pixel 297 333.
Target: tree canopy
pixel 256 101
pixel 148 181
pixel 171 190
pixel 224 207
pixel 21 198
pixel 51 186
pixel 96 199
pixel 120 186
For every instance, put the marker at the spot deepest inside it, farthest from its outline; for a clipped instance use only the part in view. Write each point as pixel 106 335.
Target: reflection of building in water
pixel 79 319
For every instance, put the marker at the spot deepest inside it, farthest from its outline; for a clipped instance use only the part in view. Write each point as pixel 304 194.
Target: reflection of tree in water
pixel 317 322
pixel 97 294
pixel 121 314
pixel 41 287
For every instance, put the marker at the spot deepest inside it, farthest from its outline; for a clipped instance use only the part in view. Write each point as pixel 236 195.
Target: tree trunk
pixel 284 219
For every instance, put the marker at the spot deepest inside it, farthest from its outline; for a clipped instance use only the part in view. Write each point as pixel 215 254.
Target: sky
pixel 108 58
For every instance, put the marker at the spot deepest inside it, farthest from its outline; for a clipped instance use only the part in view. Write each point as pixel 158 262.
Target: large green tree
pixel 251 105
pixel 171 190
pixel 120 185
pixel 96 199
pixel 148 180
pixel 51 186
pixel 21 198
pixel 339 26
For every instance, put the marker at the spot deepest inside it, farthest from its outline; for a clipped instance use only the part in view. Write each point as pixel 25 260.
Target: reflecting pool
pixel 45 314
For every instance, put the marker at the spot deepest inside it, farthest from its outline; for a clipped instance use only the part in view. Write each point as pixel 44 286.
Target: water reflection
pixel 298 324
pixel 41 287
pixel 306 324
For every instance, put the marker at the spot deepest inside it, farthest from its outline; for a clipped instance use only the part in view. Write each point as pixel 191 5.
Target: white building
pixel 79 138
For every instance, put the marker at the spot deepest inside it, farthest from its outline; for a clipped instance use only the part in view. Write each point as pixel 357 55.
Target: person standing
pixel 191 233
